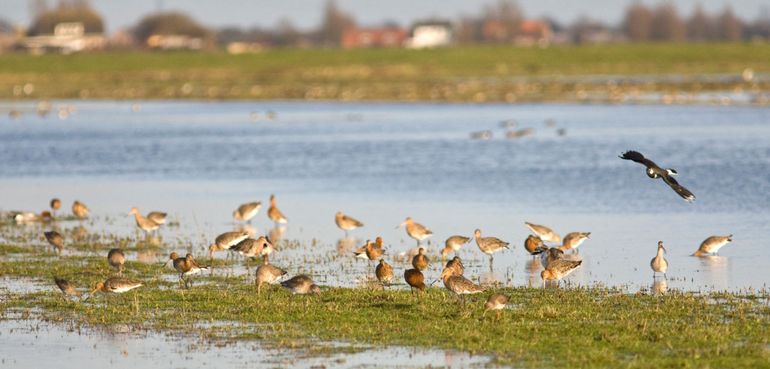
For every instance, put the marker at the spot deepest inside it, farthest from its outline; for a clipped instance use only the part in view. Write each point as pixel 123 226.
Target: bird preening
pixel 654 172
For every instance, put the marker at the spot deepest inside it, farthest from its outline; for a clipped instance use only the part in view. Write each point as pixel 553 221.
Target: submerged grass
pixel 553 327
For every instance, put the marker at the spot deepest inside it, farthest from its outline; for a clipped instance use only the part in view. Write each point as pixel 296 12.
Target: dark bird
pixel 654 171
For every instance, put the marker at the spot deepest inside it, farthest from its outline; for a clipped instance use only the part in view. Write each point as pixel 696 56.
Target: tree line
pixel 497 23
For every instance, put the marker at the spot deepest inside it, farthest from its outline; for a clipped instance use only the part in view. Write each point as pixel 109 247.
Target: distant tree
pixel 760 28
pixel 169 23
pixel 508 15
pixel 334 24
pixel 286 34
pixel 730 27
pixel 586 30
pixel 469 30
pixel 637 24
pixel 6 26
pixel 666 24
pixel 66 11
pixel 700 27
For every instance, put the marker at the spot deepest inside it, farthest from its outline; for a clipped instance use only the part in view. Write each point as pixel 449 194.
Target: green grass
pixel 451 74
pixel 562 328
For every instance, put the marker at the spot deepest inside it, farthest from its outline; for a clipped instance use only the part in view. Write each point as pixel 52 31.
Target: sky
pixel 306 14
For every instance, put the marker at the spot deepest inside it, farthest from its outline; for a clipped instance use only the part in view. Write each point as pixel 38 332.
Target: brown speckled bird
pixel 116 259
pixel 496 302
pixel 80 210
pixel 55 239
pixel 384 272
pixel 420 261
pixel 67 288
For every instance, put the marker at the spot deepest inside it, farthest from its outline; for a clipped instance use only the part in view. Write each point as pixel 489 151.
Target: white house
pixel 430 34
pixel 67 37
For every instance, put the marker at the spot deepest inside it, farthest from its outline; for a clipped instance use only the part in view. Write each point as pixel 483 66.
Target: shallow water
pixel 35 344
pixel 383 162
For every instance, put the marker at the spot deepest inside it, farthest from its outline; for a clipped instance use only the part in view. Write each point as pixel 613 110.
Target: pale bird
pixel 247 211
pixel 712 245
pixel 558 269
pixel 145 224
pixel 267 273
pixel 116 285
pixel 453 244
pixel 489 245
pixel 226 240
pixel 545 233
pixel 496 302
pixel 659 264
pixel 573 240
pixel 346 223
pixel 415 230
pixel 458 284
pixel 301 285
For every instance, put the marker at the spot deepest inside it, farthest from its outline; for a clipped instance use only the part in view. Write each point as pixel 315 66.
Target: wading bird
pixel 545 233
pixel 453 244
pixel 247 211
pixel 659 264
pixel 712 245
pixel 415 230
pixel 116 259
pixel 346 223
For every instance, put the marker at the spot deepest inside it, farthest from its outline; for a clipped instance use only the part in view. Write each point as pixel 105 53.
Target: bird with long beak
pixel 453 244
pixel 186 266
pixel 415 230
pixel 496 302
pixel 116 285
pixel 659 264
pixel 573 240
pixel 712 245
pixel 458 284
pixel 226 240
pixel 558 269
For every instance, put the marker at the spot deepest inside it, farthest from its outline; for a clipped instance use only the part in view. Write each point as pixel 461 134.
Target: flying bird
pixel 654 171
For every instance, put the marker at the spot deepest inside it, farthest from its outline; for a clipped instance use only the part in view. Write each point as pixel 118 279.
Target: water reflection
pixel 276 233
pixel 532 269
pixel 715 270
pixel 345 246
pixel 245 227
pixel 659 286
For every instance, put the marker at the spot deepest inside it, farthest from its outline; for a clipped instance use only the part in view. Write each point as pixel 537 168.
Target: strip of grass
pixel 561 328
pixel 451 74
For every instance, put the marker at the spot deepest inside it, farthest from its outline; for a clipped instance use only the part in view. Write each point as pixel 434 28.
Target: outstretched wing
pixel 638 157
pixel 681 191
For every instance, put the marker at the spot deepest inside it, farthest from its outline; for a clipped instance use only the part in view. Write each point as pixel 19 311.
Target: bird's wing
pixel 681 191
pixel 638 157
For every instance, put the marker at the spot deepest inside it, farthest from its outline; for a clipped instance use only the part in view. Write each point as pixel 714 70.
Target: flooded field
pixel 379 163
pixel 383 162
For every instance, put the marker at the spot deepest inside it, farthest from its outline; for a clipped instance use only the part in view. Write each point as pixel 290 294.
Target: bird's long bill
pixel 400 225
pixel 432 283
pixel 93 292
pixel 166 263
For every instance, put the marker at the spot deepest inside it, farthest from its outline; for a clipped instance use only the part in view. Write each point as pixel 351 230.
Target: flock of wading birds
pixel 556 265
